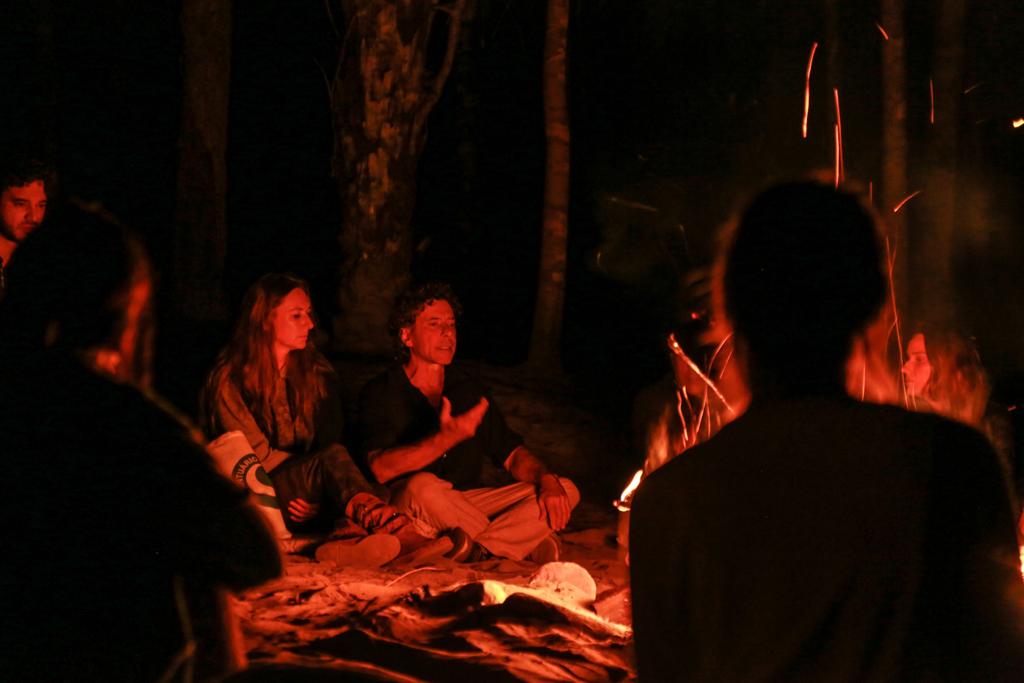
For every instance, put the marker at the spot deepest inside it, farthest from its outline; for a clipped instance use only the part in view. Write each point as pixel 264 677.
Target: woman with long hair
pixel 943 374
pixel 271 383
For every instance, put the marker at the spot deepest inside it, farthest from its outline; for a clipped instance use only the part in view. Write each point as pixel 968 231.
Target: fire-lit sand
pixel 495 620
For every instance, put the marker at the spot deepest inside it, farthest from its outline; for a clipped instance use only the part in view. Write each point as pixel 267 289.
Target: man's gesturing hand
pixel 461 427
pixel 553 501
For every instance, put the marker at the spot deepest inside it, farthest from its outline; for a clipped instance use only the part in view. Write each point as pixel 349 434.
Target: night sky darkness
pixel 683 107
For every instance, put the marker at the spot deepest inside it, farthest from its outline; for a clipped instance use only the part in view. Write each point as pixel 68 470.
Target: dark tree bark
pixel 894 143
pixel 382 95
pixel 546 337
pixel 937 244
pixel 466 114
pixel 200 240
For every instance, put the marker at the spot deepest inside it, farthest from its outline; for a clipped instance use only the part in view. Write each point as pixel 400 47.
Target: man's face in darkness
pixel 22 209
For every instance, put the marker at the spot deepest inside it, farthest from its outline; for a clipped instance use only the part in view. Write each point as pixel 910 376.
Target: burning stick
pixel 896 209
pixel 678 350
pixel 807 87
pixel 882 31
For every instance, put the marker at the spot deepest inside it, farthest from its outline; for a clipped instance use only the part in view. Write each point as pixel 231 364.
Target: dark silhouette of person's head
pixel 802 276
pixel 81 284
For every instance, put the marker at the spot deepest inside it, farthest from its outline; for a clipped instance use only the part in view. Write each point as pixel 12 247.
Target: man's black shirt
pixel 392 412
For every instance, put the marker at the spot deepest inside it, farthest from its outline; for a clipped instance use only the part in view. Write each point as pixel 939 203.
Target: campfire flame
pixel 683 423
pixel 1017 123
pixel 626 497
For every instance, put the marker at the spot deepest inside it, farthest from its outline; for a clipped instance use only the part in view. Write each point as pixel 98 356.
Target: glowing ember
pixel 622 504
pixel 1017 123
pixel 931 100
pixel 1022 561
pixel 807 87
pixel 882 30
pixel 896 209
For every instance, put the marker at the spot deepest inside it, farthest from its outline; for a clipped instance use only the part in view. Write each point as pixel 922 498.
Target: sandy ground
pixel 495 620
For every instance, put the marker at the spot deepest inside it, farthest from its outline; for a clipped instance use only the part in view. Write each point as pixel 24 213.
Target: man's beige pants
pixel 505 520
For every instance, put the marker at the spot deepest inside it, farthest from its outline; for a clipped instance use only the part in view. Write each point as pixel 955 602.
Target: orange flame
pixel 1017 123
pixel 622 504
pixel 807 87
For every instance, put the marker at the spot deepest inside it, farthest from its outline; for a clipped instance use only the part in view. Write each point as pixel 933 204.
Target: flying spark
pixel 896 209
pixel 931 100
pixel 807 87
pixel 839 134
pixel 839 153
pixel 882 31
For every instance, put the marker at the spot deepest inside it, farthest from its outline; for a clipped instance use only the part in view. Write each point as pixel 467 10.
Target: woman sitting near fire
pixel 271 383
pixel 943 374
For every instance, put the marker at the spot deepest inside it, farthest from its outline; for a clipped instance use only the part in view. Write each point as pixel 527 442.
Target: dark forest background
pixel 678 111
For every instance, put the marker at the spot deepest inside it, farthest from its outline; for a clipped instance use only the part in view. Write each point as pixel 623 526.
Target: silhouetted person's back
pixel 818 538
pixel 110 505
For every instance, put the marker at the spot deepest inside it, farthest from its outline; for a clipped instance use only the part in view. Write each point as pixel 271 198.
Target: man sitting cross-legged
pixel 425 427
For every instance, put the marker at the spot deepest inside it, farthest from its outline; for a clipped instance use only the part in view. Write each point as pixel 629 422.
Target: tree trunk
pixel 466 118
pixel 381 97
pixel 937 245
pixel 894 145
pixel 548 312
pixel 200 240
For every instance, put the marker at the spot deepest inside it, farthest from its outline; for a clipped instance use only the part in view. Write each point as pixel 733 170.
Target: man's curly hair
pixel 411 303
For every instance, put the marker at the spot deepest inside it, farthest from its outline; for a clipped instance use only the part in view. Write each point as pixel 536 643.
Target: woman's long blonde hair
pixel 247 360
pixel 959 386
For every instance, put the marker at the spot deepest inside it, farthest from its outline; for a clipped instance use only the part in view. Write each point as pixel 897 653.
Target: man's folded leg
pixel 516 526
pixel 435 505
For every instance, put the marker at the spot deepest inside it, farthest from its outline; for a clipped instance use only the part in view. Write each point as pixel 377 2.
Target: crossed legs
pixel 505 520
